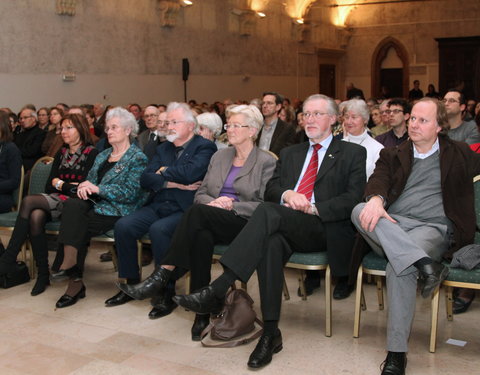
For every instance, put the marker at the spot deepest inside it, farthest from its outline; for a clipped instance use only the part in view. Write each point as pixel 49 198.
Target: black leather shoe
pixel 342 290
pixel 67 300
pixel 149 287
pixel 430 276
pixel 201 322
pixel 106 257
pixel 461 304
pixel 311 283
pixel 118 299
pixel 203 301
pixel 40 285
pixel 394 364
pixel 70 273
pixel 162 305
pixel 266 347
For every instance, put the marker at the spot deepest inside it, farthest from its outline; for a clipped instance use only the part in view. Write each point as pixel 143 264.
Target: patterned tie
pixel 308 179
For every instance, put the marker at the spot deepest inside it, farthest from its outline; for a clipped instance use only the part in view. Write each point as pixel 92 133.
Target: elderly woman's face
pixel 240 133
pixel 353 123
pixel 205 132
pixel 116 133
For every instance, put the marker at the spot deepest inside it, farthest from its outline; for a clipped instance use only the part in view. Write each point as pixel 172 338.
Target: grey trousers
pixel 403 243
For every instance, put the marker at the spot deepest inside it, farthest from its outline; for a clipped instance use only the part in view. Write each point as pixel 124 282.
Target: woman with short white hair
pixel 355 119
pixel 209 126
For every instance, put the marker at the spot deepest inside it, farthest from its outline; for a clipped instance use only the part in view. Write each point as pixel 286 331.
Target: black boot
pixel 40 253
pixel 150 287
pixel 19 235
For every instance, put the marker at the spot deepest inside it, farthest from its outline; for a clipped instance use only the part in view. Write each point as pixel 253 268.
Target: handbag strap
pixel 231 343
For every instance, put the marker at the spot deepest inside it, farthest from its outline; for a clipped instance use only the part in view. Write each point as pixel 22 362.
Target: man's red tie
pixel 308 179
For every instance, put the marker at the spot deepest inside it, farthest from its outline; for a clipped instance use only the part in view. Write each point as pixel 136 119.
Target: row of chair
pixel 372 264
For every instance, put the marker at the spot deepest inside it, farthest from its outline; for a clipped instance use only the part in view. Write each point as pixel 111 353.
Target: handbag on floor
pixel 237 324
pixel 18 275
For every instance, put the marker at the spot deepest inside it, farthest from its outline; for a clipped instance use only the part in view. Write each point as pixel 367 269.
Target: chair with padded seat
pixel 458 277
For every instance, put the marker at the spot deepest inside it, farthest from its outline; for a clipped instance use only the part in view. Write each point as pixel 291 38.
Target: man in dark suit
pixel 304 211
pixel 275 134
pixel 136 110
pixel 172 176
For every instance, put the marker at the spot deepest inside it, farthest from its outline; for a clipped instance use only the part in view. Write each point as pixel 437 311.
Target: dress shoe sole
pixel 263 364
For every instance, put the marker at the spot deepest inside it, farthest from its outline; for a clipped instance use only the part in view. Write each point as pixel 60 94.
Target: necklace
pixel 112 155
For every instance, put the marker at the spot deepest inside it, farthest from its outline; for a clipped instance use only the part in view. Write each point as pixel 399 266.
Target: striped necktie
pixel 308 179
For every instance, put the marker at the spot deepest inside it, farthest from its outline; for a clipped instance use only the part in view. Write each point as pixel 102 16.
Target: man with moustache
pixel 172 177
pixel 307 208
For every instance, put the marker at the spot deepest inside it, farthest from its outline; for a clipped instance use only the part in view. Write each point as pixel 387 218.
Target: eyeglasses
pixel 450 101
pixel 234 126
pixel 148 116
pixel 393 111
pixel 351 117
pixel 316 115
pixel 173 122
pixel 25 117
pixel 69 127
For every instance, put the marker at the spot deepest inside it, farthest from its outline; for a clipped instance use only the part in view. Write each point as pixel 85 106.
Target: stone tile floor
pixel 90 339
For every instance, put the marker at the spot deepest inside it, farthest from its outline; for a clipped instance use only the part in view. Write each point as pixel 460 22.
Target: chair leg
pixel 187 283
pixel 328 302
pixel 115 260
pixel 434 322
pixel 301 284
pixel 449 302
pixel 286 294
pixel 380 292
pixel 358 302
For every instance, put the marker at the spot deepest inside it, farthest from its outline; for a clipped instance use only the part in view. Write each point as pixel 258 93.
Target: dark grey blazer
pixel 249 184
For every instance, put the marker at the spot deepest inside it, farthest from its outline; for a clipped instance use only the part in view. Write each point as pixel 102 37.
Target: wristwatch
pixel 59 184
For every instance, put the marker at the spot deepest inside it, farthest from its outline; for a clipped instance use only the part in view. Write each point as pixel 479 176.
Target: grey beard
pixel 172 137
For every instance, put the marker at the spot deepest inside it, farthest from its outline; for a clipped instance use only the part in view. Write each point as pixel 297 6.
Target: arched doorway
pixel 394 79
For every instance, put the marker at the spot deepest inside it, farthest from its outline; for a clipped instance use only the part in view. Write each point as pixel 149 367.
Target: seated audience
pixel 150 117
pixel 70 167
pixel 10 166
pixel 384 126
pixel 231 190
pixel 172 177
pixel 298 215
pixel 111 190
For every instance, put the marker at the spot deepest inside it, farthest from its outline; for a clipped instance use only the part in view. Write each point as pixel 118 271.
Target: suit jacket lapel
pixel 298 159
pixel 329 159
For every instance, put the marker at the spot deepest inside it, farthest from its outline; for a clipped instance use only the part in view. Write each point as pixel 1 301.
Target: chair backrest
pixel 18 192
pixel 476 186
pixel 39 175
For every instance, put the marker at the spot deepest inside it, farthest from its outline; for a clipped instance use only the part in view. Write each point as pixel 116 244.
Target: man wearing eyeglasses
pixel 419 209
pixel 399 113
pixel 29 140
pixel 307 208
pixel 150 116
pixel 172 177
pixel 275 133
pixel 464 131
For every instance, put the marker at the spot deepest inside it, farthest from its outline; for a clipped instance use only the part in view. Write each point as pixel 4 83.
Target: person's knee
pixel 356 212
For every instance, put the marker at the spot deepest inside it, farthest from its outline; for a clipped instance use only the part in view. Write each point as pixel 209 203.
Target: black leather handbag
pixel 18 275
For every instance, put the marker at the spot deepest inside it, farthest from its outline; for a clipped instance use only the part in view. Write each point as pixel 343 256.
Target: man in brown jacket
pixel 419 198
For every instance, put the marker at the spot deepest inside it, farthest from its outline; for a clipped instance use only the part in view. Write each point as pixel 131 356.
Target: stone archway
pixel 379 55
